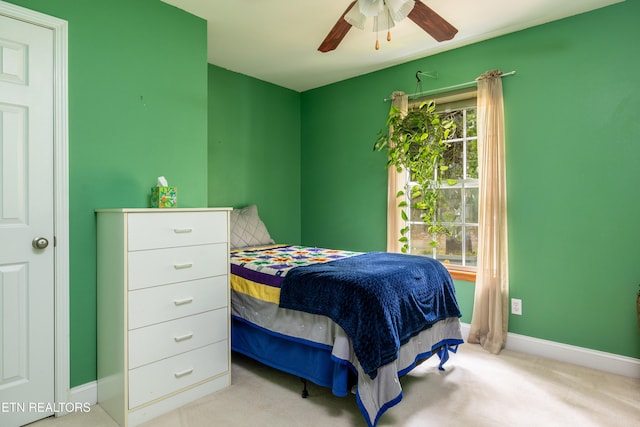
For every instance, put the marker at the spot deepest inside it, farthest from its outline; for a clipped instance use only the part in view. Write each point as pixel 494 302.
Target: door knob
pixel 40 243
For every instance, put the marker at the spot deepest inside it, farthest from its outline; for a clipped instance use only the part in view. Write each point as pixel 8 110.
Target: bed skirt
pixel 305 359
pixel 326 367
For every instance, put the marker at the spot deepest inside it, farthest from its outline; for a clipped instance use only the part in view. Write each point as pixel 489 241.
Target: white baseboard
pixel 79 398
pixel 600 360
pixel 85 393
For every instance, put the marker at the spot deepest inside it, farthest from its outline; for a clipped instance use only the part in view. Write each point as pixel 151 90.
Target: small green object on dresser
pixel 164 197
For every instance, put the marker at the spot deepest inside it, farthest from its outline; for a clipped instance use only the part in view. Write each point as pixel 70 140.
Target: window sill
pixel 459 273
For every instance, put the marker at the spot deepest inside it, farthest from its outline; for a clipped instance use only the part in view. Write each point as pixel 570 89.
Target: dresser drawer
pixel 157 379
pixel 167 339
pixel 162 266
pixel 172 229
pixel 161 303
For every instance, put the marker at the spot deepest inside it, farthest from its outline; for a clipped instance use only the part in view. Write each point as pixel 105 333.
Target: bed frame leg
pixel 305 392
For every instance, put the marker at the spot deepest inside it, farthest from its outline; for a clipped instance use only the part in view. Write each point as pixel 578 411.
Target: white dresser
pixel 163 309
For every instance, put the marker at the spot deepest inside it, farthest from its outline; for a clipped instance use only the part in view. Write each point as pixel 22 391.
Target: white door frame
pixel 62 392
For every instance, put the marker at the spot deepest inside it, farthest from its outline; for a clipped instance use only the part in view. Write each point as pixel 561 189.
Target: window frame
pixel 450 100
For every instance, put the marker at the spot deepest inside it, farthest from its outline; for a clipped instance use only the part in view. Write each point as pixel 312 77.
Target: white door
pixel 26 213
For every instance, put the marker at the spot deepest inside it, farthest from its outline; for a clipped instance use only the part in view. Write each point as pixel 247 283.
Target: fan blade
pixel 431 22
pixel 337 33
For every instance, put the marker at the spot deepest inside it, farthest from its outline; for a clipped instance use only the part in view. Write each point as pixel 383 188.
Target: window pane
pixel 458 120
pixel 471 246
pixel 471 205
pixel 449 205
pixel 420 240
pixel 415 214
pixel 453 159
pixel 472 127
pixel 472 158
pixel 450 247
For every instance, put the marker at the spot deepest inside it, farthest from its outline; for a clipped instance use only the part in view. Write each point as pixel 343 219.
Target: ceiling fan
pixel 390 11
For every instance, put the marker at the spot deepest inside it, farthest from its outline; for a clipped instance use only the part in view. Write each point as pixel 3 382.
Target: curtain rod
pixel 448 88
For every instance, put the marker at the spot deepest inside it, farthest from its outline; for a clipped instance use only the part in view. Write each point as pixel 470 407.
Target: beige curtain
pixel 396 182
pixel 490 310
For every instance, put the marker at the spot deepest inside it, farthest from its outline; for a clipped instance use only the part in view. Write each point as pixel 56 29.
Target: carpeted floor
pixel 477 389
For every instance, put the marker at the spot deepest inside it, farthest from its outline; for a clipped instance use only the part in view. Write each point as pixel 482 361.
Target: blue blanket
pixel 380 299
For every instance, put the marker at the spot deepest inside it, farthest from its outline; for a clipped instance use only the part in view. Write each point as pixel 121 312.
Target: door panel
pixel 14 324
pixel 13 203
pixel 26 212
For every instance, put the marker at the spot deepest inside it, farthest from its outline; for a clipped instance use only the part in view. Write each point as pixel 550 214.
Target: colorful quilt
pixel 259 271
pixel 278 260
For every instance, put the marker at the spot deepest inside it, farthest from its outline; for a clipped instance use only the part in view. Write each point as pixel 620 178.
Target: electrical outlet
pixel 516 306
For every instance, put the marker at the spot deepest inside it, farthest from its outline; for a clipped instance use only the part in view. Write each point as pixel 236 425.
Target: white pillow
pixel 247 229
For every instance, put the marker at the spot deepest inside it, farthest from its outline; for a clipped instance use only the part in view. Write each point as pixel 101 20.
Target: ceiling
pixel 277 40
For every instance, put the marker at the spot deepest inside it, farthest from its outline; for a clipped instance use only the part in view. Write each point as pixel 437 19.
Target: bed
pixel 294 308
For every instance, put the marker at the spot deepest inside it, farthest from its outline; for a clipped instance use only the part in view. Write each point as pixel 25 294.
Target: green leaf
pixel 452 182
pixel 404 215
pixel 380 144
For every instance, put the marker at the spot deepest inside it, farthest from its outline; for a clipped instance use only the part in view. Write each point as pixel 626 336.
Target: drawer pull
pixel 182 230
pixel 183 301
pixel 183 266
pixel 183 373
pixel 184 337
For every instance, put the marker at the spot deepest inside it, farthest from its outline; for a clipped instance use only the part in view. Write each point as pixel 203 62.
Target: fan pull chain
pixel 375 23
pixel 388 27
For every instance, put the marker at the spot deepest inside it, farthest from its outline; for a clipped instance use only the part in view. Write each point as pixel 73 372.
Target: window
pixel 458 203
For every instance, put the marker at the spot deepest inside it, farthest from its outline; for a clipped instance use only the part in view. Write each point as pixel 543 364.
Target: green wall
pixel 137 110
pixel 572 170
pixel 144 103
pixel 254 150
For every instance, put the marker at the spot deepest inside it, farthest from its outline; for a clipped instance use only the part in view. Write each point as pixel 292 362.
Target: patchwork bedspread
pixel 257 277
pixel 271 264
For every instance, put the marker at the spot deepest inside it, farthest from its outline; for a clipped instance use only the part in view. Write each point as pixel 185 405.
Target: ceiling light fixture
pixel 387 13
pixel 384 13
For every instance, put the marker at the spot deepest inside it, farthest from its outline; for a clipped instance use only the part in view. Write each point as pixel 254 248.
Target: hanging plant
pixel 416 142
